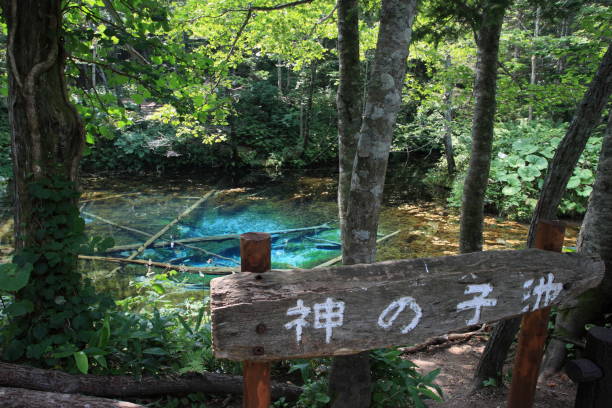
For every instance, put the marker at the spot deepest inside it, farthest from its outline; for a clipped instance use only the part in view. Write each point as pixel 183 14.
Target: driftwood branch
pixel 89 200
pixel 339 258
pixel 119 386
pixel 161 244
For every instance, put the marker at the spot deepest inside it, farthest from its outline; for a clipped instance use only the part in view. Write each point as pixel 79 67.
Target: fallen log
pixel 24 398
pixel 442 340
pixel 121 386
pixel 339 258
pixel 212 270
pixel 161 244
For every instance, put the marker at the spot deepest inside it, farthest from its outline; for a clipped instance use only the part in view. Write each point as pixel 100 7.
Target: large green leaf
pixel 19 308
pixel 538 161
pixel 13 277
pixel 510 190
pixel 573 182
pixel 529 173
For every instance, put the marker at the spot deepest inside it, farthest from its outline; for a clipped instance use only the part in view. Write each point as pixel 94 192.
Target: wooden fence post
pixel 255 257
pixel 593 372
pixel 534 329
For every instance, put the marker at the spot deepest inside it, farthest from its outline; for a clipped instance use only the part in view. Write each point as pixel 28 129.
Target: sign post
pixel 534 329
pixel 255 257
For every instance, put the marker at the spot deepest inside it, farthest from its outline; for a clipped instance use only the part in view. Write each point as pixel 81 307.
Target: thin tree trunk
pixel 279 77
pixel 308 110
pixel 474 188
pixel 348 100
pixel 448 120
pixel 350 374
pixel 595 240
pixel 560 170
pixel 350 382
pixel 532 78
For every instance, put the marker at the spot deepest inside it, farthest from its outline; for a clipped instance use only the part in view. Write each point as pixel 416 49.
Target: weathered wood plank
pixel 347 309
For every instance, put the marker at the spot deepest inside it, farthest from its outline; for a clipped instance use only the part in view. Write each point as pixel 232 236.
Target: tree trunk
pixel 348 100
pixel 350 382
pixel 351 371
pixel 308 113
pixel 46 131
pixel 595 240
pixel 532 78
pixel 560 170
pixel 472 209
pixel 448 120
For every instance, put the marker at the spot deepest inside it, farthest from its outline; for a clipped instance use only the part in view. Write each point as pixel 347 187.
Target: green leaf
pixel 101 360
pixel 156 351
pixel 19 308
pixel 515 161
pixel 104 334
pixel 13 277
pixel 573 182
pixel 538 161
pixel 510 190
pixel 82 362
pixel 529 173
pixel 585 174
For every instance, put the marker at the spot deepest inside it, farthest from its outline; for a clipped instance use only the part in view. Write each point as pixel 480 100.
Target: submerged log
pixel 121 386
pixel 24 398
pixel 162 244
pixel 213 270
pixel 182 215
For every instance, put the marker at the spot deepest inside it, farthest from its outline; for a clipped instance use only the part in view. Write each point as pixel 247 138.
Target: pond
pixel 300 206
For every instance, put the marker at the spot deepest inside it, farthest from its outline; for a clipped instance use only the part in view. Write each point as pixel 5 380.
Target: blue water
pixel 293 250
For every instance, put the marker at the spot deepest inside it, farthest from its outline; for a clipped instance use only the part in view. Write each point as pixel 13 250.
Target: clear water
pixel 222 215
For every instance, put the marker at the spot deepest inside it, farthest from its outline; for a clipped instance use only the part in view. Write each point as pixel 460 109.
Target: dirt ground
pixel 458 362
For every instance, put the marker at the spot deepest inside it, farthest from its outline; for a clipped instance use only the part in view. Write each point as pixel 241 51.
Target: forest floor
pixel 458 362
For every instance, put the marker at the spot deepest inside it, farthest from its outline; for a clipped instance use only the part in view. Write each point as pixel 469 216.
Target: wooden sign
pixel 348 309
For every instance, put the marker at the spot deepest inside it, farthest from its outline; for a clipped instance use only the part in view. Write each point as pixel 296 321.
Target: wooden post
pixel 593 372
pixel 534 329
pixel 255 249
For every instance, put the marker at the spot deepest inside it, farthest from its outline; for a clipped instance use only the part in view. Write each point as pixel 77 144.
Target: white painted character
pixel 546 288
pixel 395 308
pixel 328 315
pixel 299 323
pixel 478 302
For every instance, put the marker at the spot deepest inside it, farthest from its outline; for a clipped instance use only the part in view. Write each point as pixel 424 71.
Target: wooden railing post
pixel 255 257
pixel 534 329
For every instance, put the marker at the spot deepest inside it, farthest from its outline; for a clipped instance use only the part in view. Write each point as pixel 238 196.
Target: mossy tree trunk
pixel 47 133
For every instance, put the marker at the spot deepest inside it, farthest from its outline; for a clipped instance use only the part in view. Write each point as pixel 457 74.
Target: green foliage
pixel 522 152
pixel 52 312
pixel 397 383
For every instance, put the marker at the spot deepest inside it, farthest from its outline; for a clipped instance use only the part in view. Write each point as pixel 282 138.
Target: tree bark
pixel 595 239
pixel 448 120
pixel 22 398
pixel 122 386
pixel 348 100
pixel 532 78
pixel 47 135
pixel 364 151
pixel 475 185
pixel 560 170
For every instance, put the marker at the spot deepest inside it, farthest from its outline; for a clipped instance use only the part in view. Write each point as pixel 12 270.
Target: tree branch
pixel 11 43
